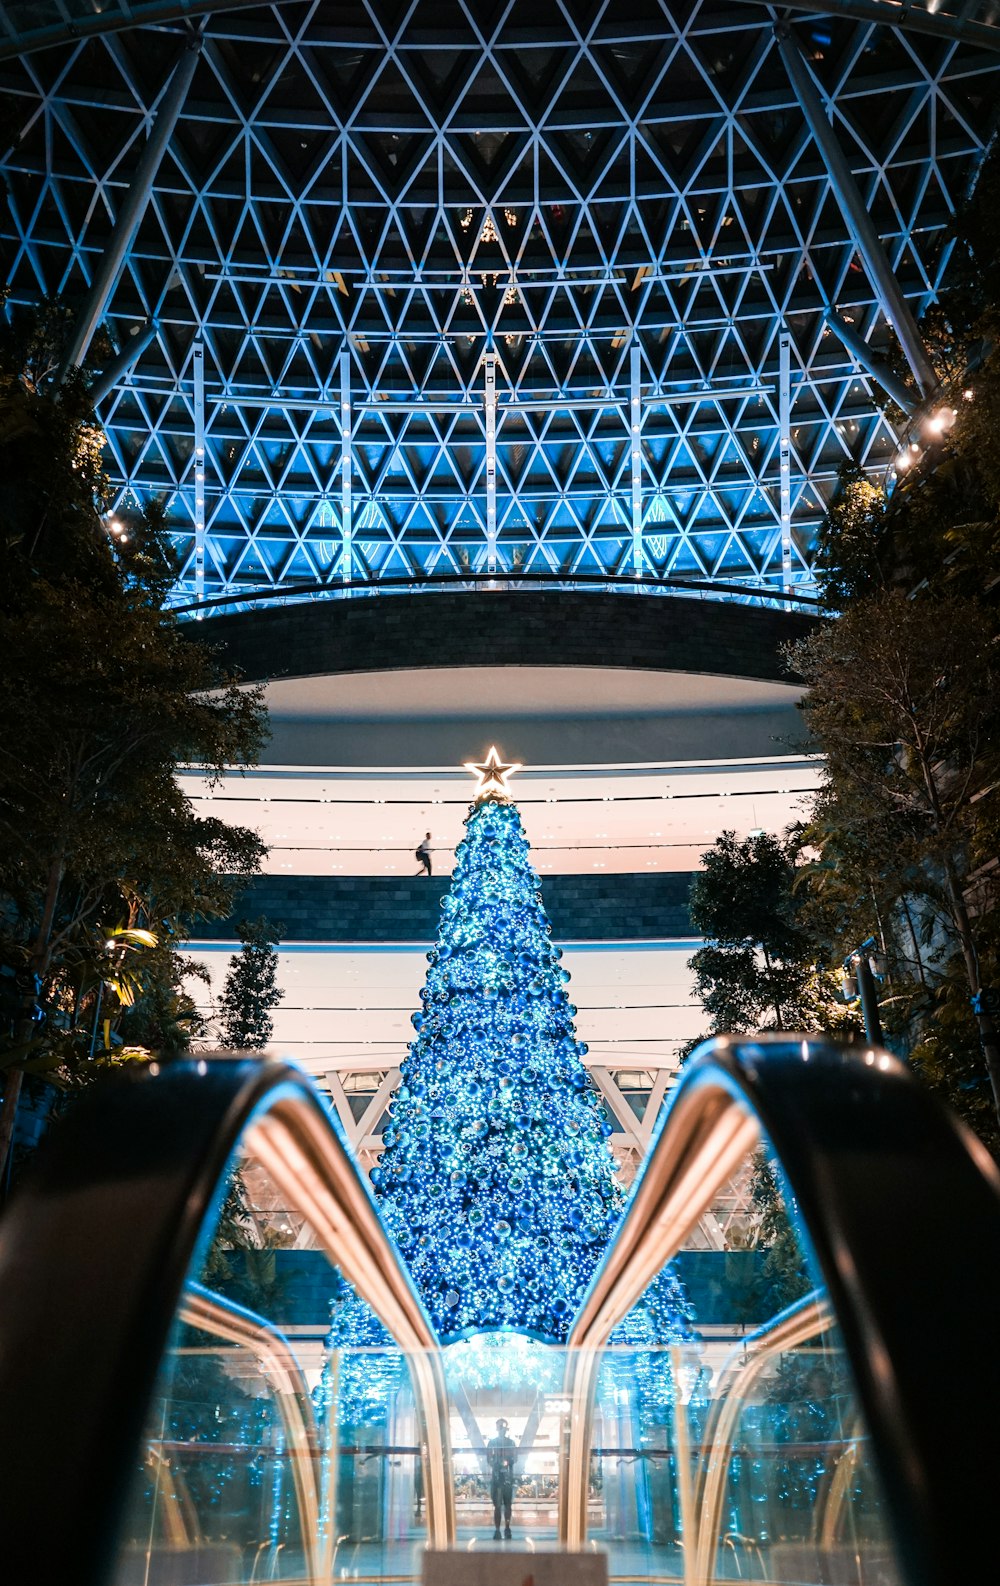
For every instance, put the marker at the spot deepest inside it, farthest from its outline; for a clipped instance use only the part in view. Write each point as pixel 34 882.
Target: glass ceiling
pixel 366 211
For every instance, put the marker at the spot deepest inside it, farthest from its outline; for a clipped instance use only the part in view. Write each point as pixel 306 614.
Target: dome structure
pixel 463 290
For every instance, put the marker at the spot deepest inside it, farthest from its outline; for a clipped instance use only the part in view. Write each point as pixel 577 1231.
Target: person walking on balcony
pixel 501 1452
pixel 423 853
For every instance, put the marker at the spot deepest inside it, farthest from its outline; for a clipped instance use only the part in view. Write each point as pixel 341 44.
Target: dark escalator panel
pixel 834 1440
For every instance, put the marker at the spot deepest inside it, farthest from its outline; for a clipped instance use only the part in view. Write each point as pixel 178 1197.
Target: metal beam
pixel 785 453
pixel 346 505
pixel 866 239
pixel 862 354
pixel 635 423
pixel 112 260
pixel 132 348
pixel 120 18
pixel 198 354
pixel 490 399
pixel 907 18
pixel 569 403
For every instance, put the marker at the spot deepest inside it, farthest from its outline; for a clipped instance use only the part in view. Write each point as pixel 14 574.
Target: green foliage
pixel 902 701
pixel 106 694
pixel 251 989
pixel 850 539
pixel 786 1273
pixel 757 969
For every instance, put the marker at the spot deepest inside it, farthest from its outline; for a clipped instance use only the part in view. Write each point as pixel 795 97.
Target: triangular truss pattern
pixel 549 183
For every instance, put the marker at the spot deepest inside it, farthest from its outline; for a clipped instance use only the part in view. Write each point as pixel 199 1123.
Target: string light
pixel 497 1181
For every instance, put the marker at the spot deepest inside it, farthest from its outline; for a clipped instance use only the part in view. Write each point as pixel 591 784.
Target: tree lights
pixel 497 1181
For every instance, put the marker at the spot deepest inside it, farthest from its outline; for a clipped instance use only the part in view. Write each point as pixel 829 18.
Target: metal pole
pixel 112 260
pixel 785 454
pixel 490 366
pixel 859 222
pixel 862 354
pixel 132 349
pixel 198 353
pixel 346 504
pixel 869 998
pixel 635 422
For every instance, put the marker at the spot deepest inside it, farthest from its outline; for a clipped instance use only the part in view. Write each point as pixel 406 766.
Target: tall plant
pixel 251 988
pixel 106 694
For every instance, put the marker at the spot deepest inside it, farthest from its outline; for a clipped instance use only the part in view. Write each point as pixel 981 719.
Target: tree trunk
pixel 8 1114
pixel 770 972
pixel 988 1036
pixel 39 962
pixel 989 1039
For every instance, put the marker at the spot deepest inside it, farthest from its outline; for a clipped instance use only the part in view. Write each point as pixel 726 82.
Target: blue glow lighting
pixel 497 1181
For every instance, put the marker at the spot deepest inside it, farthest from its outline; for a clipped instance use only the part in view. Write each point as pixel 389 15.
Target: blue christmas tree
pixel 497 1181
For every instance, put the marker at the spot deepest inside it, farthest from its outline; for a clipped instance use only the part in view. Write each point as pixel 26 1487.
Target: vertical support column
pixel 785 454
pixel 198 354
pixel 859 222
pixel 112 260
pixel 635 436
pixel 490 398
pixel 346 504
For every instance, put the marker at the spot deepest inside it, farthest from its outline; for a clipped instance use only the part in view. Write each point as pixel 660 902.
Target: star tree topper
pixel 491 775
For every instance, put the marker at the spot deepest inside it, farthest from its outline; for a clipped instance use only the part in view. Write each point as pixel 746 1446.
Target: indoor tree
pixel 106 695
pixel 251 988
pixel 902 701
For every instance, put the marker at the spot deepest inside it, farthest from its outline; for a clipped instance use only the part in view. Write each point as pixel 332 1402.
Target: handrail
pixel 793 1326
pixel 97 1246
pixel 213 1314
pixel 876 1167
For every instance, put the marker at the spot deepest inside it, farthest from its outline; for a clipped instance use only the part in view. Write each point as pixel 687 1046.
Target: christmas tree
pixel 497 1181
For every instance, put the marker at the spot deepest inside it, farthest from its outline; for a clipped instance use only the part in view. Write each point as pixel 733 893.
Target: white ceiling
pixel 555 714
pixel 469 692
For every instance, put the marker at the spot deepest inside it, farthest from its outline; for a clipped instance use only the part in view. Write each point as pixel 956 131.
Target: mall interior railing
pixel 154 1428
pixel 791 597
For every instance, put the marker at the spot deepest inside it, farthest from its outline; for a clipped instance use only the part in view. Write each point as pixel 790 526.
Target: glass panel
pixel 736 1450
pixel 507 1407
pixel 282 1439
pixel 726 1439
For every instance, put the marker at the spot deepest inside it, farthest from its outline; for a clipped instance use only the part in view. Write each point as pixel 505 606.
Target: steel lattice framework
pixel 438 287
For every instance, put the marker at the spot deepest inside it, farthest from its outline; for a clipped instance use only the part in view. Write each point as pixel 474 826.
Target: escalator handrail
pixel 901 1207
pixel 95 1251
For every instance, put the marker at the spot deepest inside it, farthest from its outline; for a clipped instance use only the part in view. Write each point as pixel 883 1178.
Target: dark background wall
pixel 609 908
pixel 509 628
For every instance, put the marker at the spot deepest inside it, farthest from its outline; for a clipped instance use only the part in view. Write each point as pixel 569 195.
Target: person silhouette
pixel 501 1453
pixel 423 853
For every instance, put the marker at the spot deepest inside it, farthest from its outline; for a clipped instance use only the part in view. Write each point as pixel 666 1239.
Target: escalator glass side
pixel 736 1453
pixel 821 1441
pixel 273 1449
pixel 170 1409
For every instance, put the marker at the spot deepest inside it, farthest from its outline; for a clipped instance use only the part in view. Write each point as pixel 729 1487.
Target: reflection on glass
pixel 726 1440
pixel 736 1451
pixel 282 1441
